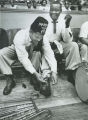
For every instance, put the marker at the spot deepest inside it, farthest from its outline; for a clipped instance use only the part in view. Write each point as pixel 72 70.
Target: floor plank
pixel 62 93
pixel 64 102
pixel 70 112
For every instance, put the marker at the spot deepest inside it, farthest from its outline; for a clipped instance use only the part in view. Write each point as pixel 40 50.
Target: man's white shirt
pixel 84 30
pixel 62 34
pixel 23 41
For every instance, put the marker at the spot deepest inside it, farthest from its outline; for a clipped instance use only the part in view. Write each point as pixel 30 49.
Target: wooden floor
pixel 62 93
pixel 64 102
pixel 77 111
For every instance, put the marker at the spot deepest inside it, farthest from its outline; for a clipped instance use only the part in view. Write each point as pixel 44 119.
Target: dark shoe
pixel 45 88
pixel 9 85
pixel 35 83
pixel 71 76
pixel 37 86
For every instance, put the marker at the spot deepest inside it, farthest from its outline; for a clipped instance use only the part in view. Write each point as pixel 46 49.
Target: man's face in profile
pixel 36 37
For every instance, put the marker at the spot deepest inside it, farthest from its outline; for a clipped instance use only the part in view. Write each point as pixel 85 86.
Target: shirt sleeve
pixel 49 56
pixel 22 53
pixel 83 31
pixel 67 35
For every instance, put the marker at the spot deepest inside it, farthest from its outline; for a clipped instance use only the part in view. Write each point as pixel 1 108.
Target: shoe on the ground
pixel 45 88
pixel 10 84
pixel 35 82
pixel 71 76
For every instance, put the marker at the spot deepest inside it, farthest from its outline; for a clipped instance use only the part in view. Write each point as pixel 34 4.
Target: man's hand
pixel 54 78
pixel 39 77
pixel 67 20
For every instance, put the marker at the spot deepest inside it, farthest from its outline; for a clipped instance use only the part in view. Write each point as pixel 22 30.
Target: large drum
pixel 81 83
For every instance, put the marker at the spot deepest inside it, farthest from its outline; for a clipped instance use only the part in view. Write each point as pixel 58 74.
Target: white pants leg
pixel 45 68
pixel 84 52
pixel 7 57
pixel 40 63
pixel 72 55
pixel 36 60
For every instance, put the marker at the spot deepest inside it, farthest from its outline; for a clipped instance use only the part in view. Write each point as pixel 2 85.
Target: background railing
pixel 39 4
pixel 27 3
pixel 75 8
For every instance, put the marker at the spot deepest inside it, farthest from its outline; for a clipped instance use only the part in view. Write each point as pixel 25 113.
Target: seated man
pixel 63 40
pixel 83 38
pixel 24 42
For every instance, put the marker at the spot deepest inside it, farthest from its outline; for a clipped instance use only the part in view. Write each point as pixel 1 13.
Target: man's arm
pixel 66 32
pixel 83 35
pixel 66 37
pixel 23 56
pixel 49 56
pixel 21 52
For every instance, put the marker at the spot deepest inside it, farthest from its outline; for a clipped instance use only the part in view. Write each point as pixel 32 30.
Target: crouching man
pixel 25 44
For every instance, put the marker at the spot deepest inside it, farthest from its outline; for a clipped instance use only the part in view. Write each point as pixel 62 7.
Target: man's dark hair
pixel 39 25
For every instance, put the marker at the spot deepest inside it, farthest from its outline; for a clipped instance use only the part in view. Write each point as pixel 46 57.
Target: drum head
pixel 81 83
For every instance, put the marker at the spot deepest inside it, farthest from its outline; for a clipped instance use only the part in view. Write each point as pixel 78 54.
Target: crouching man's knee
pixel 84 47
pixel 84 53
pixel 74 46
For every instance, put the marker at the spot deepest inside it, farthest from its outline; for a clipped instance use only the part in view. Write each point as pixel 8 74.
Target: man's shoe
pixel 35 83
pixel 71 76
pixel 45 88
pixel 9 85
